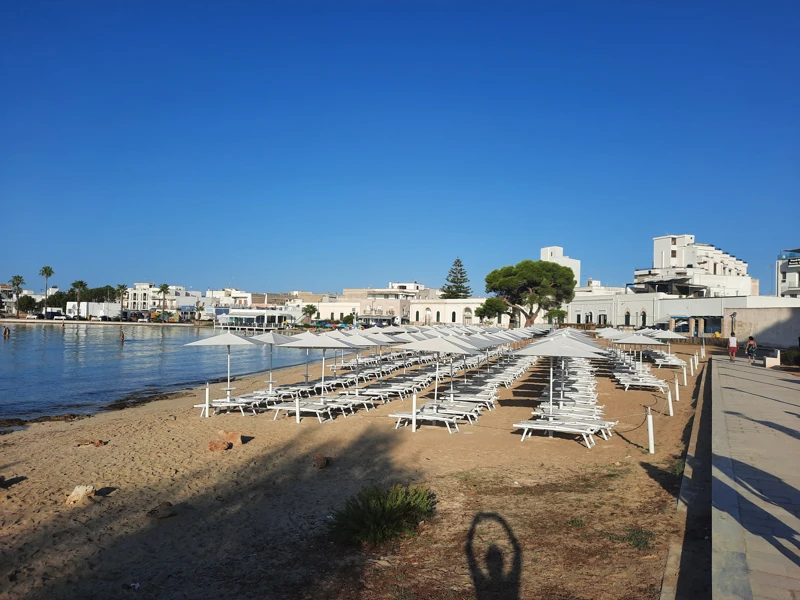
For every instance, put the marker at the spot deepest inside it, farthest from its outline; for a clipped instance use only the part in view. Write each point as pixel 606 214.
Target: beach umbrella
pixel 666 335
pixel 227 339
pixel 639 340
pixel 314 342
pixel 439 346
pixel 273 339
pixel 557 347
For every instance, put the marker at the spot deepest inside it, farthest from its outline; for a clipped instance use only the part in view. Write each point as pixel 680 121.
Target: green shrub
pixel 375 515
pixel 791 356
pixel 677 467
pixel 575 523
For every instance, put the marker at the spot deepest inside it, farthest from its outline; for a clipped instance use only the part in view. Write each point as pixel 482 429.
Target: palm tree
pixel 16 282
pixel 79 286
pixel 163 289
pixel 47 273
pixel 309 310
pixel 120 292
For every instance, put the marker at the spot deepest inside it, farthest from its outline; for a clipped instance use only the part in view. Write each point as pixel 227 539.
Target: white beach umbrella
pixel 273 339
pixel 666 335
pixel 557 347
pixel 639 340
pixel 315 342
pixel 227 339
pixel 439 346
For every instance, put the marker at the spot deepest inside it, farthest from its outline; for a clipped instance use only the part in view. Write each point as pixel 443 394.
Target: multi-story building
pixel 555 254
pixel 787 274
pixel 683 267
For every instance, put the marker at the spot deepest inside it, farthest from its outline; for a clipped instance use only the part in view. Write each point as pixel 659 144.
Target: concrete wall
pixel 773 327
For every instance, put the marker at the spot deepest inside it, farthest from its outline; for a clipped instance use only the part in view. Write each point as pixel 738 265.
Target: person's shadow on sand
pixel 492 579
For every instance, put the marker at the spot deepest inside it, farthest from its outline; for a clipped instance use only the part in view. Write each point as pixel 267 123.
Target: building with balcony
pixel 787 274
pixel 683 267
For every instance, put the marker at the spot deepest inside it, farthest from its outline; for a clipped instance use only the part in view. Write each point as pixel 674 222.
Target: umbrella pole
pixel 551 385
pixel 357 371
pixel 228 391
pixel 270 365
pixel 323 375
pixel 436 382
pixel 306 367
pixel 451 377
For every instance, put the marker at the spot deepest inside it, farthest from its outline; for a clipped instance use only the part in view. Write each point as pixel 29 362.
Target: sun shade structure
pixel 666 335
pixel 227 339
pixel 558 347
pixel 273 339
pixel 315 342
pixel 439 346
pixel 639 340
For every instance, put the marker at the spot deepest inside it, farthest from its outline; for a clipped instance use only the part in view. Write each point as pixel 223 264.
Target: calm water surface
pixel 46 370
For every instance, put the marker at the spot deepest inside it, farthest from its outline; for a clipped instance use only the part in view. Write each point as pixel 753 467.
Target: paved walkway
pixel 756 482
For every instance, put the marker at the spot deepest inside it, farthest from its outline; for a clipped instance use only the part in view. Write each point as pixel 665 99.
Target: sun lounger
pixel 316 408
pixel 405 419
pixel 586 432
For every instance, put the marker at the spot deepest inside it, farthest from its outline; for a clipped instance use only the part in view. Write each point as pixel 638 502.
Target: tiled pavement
pixel 756 482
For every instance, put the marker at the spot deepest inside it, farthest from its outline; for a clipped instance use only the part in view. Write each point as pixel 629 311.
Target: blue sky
pixel 319 145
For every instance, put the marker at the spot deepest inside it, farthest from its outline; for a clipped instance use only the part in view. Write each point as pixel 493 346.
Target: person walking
pixel 733 346
pixel 750 350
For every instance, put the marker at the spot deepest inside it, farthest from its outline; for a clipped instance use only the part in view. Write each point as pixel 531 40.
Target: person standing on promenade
pixel 733 345
pixel 750 350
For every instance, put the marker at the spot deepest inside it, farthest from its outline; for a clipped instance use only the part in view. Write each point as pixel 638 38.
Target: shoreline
pixel 137 399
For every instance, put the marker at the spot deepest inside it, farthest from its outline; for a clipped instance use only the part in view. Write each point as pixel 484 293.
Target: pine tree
pixel 456 286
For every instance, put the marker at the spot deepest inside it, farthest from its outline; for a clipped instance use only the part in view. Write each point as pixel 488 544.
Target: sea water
pixel 81 368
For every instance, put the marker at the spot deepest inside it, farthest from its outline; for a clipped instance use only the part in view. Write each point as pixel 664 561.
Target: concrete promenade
pixel 756 481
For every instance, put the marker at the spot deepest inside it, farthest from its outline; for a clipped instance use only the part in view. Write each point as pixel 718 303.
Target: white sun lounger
pixel 405 419
pixel 315 408
pixel 528 427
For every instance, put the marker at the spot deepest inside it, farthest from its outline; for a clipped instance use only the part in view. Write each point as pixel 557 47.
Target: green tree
pixel 348 319
pixel 163 289
pixel 47 273
pixel 531 286
pixel 16 283
pixel 556 315
pixel 120 292
pixel 26 303
pixel 456 286
pixel 80 286
pixel 492 308
pixel 309 310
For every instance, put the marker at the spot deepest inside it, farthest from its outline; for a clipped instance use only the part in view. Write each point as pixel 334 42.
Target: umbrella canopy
pixel 639 340
pixel 227 339
pixel 439 345
pixel 666 335
pixel 561 348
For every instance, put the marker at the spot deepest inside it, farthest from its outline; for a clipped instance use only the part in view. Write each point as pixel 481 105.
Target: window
pixel 438 319
pixel 341 316
pixel 453 317
pixel 644 319
pixel 578 318
pixel 416 316
pixel 627 318
pixel 674 241
pixel 674 254
pixel 783 277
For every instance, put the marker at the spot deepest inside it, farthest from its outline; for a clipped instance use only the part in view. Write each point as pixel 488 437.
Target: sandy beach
pixel 250 521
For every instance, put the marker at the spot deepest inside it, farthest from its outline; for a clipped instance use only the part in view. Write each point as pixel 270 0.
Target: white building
pixel 683 267
pixel 93 309
pixel 787 274
pixel 555 254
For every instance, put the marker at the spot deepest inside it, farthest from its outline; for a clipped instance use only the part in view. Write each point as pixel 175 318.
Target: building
pixel 683 267
pixel 555 254
pixel 787 274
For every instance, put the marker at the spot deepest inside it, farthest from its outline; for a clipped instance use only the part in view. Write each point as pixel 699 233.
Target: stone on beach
pixel 162 511
pixel 320 461
pixel 215 446
pixel 234 437
pixel 79 493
